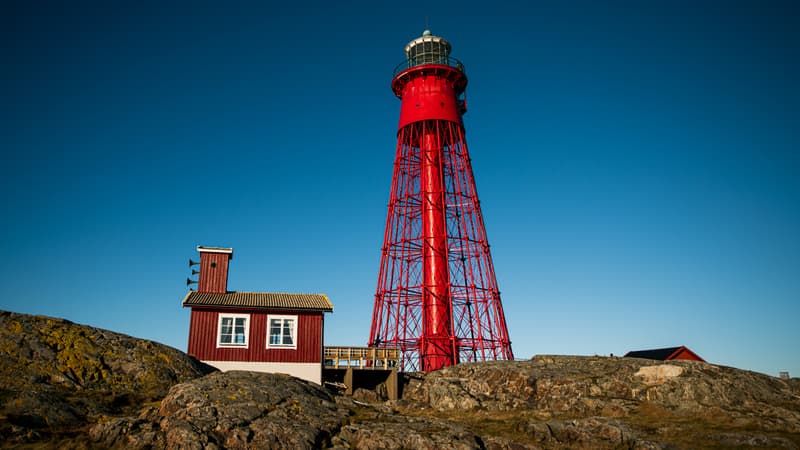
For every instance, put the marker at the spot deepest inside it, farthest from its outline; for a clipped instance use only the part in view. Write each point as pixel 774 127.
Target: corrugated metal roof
pixel 272 300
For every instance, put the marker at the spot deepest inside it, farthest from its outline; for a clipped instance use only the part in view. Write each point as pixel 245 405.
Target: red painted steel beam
pixel 437 330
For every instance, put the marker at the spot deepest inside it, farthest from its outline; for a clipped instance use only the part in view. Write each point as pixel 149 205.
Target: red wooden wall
pixel 213 272
pixel 203 337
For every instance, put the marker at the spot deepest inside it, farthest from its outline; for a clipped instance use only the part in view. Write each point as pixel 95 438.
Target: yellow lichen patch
pixel 9 347
pixel 14 327
pixel 296 407
pixel 165 358
pixel 76 355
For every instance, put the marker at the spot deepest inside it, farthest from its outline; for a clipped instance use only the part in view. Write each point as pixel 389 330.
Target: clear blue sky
pixel 637 163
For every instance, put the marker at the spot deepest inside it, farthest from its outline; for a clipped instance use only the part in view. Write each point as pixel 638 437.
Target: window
pixel 282 332
pixel 233 330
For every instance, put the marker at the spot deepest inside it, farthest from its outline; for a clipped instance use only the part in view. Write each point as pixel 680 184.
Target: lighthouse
pixel 437 298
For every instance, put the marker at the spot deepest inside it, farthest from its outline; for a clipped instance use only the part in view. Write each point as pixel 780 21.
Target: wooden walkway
pixel 362 367
pixel 362 358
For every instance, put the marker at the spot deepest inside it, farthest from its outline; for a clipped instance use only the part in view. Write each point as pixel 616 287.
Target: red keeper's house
pixel 666 354
pixel 255 331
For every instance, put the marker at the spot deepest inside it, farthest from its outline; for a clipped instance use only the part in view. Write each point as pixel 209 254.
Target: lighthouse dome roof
pixel 428 44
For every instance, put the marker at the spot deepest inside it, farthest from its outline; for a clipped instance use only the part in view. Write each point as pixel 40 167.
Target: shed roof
pixel 659 353
pixel 665 354
pixel 266 300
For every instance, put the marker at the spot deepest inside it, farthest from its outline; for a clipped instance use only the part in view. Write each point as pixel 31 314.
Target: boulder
pixel 55 374
pixel 494 385
pixel 234 410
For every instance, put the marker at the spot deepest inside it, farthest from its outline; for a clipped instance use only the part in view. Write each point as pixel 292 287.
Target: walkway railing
pixel 422 60
pixel 370 358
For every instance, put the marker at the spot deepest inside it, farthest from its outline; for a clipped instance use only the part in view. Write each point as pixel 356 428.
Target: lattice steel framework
pixel 437 297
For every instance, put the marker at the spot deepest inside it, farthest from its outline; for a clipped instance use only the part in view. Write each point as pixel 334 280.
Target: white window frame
pixel 246 343
pixel 282 318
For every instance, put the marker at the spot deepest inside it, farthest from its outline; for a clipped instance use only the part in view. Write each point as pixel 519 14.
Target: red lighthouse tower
pixel 437 297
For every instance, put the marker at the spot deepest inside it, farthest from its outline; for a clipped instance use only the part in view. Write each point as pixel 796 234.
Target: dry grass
pixel 697 430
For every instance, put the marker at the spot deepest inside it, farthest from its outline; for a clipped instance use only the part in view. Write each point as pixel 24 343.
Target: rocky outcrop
pixel 637 394
pixel 382 427
pixel 72 386
pixel 231 410
pixel 498 386
pixel 574 385
pixel 238 410
pixel 56 375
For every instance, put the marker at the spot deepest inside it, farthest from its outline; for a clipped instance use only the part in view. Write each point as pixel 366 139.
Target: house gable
pixel 686 354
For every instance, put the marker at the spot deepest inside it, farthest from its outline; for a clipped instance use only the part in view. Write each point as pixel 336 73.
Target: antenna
pixel 427 31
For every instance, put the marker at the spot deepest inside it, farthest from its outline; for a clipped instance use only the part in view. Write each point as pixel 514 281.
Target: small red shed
pixel 256 331
pixel 666 354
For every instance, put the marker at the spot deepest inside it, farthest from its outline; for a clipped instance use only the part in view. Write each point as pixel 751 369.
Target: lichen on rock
pixel 232 410
pixel 56 374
